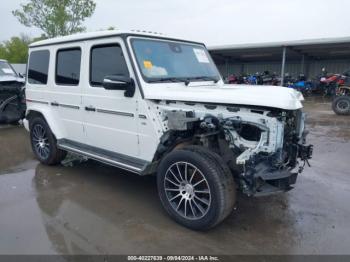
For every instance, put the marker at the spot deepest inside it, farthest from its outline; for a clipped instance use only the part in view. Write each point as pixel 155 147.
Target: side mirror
pixel 116 82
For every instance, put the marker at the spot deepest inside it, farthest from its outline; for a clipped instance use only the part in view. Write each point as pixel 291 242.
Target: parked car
pixel 151 104
pixel 12 104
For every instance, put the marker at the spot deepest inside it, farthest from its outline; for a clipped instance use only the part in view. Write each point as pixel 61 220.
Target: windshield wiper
pixel 187 81
pixel 205 78
pixel 170 79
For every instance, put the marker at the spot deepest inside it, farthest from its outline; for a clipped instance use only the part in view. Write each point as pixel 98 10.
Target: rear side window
pixel 68 66
pixel 38 67
pixel 106 60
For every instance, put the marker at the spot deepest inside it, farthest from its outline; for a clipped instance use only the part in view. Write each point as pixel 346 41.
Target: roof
pixel 2 60
pixel 95 35
pixel 322 48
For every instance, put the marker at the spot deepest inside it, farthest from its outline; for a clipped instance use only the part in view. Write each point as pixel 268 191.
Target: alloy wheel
pixel 187 190
pixel 41 141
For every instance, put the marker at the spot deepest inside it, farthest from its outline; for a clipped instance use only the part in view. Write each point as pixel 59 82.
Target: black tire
pixel 48 153
pixel 10 114
pixel 218 179
pixel 341 105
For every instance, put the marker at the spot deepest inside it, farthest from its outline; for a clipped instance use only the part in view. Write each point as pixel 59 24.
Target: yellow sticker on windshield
pixel 147 64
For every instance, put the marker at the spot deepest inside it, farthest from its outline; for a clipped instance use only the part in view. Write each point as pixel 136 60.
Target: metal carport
pixel 302 56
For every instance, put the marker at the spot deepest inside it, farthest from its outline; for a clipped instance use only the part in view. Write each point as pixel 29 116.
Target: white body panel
pixel 110 131
pixel 64 122
pixel 71 119
pixel 267 96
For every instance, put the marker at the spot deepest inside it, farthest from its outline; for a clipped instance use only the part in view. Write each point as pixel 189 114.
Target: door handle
pixel 55 103
pixel 90 108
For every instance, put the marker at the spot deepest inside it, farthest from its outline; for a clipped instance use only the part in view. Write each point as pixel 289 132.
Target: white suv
pixel 151 104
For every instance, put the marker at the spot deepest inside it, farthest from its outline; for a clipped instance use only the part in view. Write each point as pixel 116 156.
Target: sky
pixel 214 22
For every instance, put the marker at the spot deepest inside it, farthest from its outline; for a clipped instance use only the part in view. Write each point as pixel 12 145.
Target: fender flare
pixel 47 115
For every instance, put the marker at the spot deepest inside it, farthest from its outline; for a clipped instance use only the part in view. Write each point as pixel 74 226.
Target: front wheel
pixel 196 188
pixel 44 144
pixel 341 105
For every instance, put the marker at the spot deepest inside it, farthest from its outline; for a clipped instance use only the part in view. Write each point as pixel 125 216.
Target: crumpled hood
pixel 267 96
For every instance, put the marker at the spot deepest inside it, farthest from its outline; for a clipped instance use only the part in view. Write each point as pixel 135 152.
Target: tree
pixel 56 17
pixel 15 50
pixel 2 52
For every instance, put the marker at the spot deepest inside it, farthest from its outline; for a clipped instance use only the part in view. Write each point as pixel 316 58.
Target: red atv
pixel 341 102
pixel 329 84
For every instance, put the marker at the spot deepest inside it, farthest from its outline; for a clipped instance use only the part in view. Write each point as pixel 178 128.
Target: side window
pixel 38 67
pixel 68 66
pixel 106 60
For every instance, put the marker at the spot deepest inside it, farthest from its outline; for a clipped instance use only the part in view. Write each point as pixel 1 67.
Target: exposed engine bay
pixel 265 148
pixel 12 103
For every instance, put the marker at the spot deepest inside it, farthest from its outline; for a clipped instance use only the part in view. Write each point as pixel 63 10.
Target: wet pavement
pixel 89 208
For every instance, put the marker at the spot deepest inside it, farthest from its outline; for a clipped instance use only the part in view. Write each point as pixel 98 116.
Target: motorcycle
pixel 300 84
pixel 232 79
pixel 252 80
pixel 303 85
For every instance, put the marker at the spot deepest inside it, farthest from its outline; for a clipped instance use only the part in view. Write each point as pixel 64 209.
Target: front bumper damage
pixel 270 161
pixel 263 179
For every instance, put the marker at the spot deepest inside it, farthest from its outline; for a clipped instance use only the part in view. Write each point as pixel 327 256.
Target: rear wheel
pixel 44 144
pixel 341 105
pixel 194 188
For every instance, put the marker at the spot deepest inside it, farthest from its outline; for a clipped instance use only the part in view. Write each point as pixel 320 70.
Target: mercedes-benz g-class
pixel 151 104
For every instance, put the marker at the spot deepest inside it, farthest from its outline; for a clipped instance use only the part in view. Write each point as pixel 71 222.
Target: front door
pixel 110 120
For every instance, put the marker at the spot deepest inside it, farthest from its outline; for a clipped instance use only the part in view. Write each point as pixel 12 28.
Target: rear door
pixel 66 89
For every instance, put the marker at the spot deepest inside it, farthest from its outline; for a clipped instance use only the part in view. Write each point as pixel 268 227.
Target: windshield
pixel 6 69
pixel 166 61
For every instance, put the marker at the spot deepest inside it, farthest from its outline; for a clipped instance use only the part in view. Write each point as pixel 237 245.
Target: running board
pixel 128 163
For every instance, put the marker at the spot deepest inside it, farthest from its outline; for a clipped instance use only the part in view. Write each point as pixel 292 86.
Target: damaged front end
pixel 264 148
pixel 12 102
pixel 270 149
